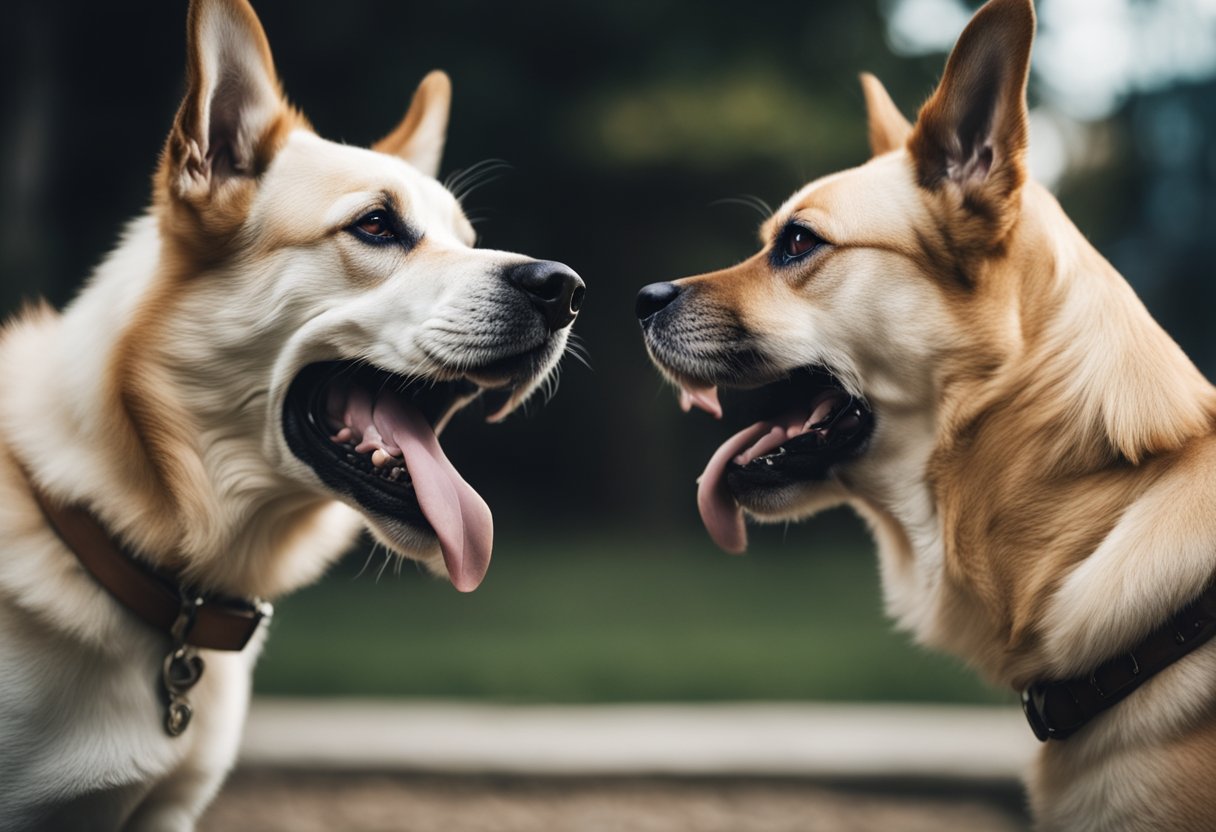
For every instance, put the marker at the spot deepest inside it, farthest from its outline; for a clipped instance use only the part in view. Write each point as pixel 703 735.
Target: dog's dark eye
pixel 798 241
pixel 376 225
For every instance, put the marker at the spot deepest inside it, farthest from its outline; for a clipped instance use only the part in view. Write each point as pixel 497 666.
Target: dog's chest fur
pixel 81 737
pixel 81 722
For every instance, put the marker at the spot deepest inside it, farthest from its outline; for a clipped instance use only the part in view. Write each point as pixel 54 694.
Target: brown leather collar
pixel 214 622
pixel 1058 709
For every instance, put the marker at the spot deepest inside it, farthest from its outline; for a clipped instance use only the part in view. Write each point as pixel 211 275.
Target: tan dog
pixel 1035 456
pixel 258 371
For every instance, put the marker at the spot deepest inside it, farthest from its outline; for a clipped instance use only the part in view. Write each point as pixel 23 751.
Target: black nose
pixel 654 298
pixel 553 288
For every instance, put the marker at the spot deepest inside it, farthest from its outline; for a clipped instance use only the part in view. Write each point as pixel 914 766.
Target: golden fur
pixel 1043 468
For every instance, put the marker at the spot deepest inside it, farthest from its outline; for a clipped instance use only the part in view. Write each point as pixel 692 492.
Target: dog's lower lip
pixel 510 370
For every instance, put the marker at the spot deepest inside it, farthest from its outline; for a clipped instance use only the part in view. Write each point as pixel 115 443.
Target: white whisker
pixel 388 556
pixel 371 554
pixel 748 201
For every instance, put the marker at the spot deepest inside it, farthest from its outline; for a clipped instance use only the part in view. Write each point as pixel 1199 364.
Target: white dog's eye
pixel 375 226
pixel 797 241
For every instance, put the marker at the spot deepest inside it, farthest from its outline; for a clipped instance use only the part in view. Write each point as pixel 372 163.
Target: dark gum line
pixel 853 405
pixel 341 453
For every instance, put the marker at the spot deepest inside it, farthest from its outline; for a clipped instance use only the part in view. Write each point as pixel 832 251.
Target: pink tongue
pixel 720 513
pixel 705 398
pixel 460 517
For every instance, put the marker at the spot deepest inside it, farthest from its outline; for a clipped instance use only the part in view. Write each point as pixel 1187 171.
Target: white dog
pixel 260 368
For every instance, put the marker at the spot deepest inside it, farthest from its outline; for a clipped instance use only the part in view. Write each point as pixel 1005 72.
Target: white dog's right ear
pixel 227 127
pixel 420 136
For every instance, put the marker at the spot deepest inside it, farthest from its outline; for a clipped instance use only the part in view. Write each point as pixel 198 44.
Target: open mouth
pixel 371 436
pixel 800 428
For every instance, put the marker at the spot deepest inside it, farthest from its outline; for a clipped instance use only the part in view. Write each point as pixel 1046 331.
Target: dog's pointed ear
pixel 889 129
pixel 420 136
pixel 226 128
pixel 972 133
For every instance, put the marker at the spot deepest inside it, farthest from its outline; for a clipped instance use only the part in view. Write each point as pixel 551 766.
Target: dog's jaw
pixel 185 456
pixel 424 315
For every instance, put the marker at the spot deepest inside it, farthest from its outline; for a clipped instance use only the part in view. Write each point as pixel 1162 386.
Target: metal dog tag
pixel 177 719
pixel 181 670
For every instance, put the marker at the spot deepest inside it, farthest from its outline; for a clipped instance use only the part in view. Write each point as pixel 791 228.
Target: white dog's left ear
pixel 420 136
pixel 972 133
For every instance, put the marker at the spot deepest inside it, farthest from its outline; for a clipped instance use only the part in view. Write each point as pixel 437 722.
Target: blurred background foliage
pixel 625 126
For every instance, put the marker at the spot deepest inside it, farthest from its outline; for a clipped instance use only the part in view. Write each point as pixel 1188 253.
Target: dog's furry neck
pixel 176 472
pixel 1083 413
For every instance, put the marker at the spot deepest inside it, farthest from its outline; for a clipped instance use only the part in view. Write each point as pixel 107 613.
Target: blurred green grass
pixel 585 620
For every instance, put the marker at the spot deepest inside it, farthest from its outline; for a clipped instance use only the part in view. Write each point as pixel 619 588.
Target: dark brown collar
pixel 1056 710
pixel 191 618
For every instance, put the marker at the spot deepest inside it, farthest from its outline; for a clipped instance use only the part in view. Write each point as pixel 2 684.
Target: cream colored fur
pixel 155 400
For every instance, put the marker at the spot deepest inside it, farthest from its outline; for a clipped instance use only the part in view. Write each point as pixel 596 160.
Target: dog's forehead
pixel 320 184
pixel 877 203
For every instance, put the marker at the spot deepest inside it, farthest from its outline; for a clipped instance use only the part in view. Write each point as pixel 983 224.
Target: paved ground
pixel 784 740
pixel 278 801
pixel 378 766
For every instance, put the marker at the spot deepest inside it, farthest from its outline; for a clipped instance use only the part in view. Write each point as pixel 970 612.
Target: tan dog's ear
pixel 972 133
pixel 889 130
pixel 225 130
pixel 420 136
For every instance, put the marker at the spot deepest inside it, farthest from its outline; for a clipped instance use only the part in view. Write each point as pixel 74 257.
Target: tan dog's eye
pixel 375 226
pixel 797 241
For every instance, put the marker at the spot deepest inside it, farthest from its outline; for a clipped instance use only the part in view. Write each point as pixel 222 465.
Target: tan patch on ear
pixel 419 137
pixel 889 129
pixel 202 192
pixel 205 226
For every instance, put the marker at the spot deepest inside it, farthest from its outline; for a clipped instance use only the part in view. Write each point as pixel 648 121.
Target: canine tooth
pixel 380 457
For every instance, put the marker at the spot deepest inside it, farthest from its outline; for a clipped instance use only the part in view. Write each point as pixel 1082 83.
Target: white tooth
pixel 380 458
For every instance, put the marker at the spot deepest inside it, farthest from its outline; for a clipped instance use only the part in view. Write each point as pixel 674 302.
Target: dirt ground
pixel 269 801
